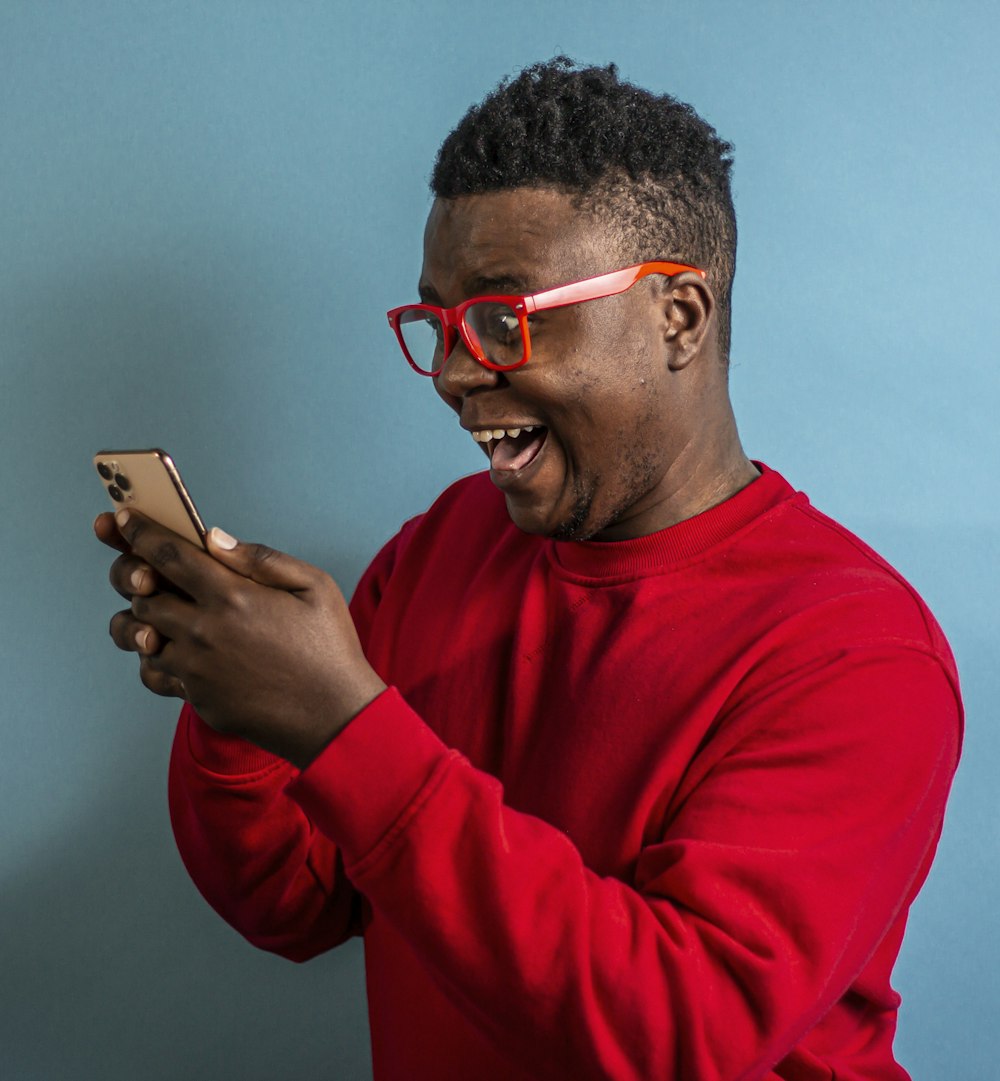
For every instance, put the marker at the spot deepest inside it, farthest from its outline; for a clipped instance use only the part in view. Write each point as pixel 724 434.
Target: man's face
pixel 597 390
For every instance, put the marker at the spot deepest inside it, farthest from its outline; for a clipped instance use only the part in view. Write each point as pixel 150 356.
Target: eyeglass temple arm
pixel 615 282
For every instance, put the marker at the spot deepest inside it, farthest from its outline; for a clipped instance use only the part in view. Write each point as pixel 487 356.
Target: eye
pixel 505 324
pixel 496 322
pixel 497 328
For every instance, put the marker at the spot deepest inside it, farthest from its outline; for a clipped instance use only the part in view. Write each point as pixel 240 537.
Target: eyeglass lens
pixel 423 335
pixel 494 329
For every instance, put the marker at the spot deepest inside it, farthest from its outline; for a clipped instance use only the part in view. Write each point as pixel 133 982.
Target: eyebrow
pixel 503 285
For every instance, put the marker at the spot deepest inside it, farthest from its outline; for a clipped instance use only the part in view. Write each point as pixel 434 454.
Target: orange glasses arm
pixel 602 285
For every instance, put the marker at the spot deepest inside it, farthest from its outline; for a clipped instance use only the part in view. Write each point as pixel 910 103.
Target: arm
pixel 250 849
pixel 777 874
pixel 253 853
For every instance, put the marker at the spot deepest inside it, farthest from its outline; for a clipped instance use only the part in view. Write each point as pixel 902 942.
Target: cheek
pixel 602 387
pixel 621 353
pixel 616 400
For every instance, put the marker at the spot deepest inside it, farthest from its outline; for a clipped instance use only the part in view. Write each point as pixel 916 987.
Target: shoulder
pixel 831 642
pixel 817 571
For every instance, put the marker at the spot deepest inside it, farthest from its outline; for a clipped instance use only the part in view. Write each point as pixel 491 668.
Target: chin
pixel 528 522
pixel 573 526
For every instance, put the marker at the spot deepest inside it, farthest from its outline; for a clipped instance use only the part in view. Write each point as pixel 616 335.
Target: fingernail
pixel 221 539
pixel 142 639
pixel 121 517
pixel 139 579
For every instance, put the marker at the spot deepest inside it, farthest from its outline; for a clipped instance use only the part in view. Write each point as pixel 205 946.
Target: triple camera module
pixel 116 481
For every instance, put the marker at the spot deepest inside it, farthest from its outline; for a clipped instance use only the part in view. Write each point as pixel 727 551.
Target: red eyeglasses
pixel 495 328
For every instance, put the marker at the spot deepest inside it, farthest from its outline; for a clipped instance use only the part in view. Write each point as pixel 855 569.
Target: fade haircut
pixel 645 164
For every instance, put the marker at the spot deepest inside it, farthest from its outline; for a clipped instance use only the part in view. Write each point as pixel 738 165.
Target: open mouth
pixel 512 449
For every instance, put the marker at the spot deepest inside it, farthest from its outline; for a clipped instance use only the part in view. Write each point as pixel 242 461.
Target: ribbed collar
pixel 657 551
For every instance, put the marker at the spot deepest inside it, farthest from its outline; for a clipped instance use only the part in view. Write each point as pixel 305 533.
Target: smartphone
pixel 148 481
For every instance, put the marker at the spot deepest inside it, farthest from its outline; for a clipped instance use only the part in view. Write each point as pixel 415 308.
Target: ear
pixel 688 318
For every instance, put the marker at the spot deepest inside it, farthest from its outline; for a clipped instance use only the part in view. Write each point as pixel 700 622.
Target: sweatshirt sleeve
pixel 774 880
pixel 251 850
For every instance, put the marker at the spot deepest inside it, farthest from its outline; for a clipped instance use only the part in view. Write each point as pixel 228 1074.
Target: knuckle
pixel 325 587
pixel 118 574
pixel 262 555
pixel 117 628
pixel 154 680
pixel 149 676
pixel 164 553
pixel 198 631
pixel 235 600
pixel 132 530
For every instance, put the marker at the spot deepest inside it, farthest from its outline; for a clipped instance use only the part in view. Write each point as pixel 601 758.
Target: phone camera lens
pixel 123 482
pixel 116 493
pixel 104 470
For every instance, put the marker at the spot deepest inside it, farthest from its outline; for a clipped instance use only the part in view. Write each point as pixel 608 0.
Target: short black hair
pixel 646 163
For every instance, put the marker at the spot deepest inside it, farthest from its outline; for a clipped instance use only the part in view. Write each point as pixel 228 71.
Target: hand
pixel 261 644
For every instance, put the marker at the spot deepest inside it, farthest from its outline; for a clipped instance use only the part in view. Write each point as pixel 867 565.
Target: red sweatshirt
pixel 647 809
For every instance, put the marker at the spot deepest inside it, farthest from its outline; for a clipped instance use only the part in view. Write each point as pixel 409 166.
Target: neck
pixel 709 470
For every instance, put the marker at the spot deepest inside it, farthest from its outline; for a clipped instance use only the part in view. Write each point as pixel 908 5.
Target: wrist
pixel 312 742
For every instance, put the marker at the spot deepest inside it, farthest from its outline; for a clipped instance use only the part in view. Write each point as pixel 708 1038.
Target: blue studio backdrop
pixel 205 211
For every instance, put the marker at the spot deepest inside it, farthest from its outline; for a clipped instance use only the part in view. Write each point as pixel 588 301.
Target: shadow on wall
pixel 115 968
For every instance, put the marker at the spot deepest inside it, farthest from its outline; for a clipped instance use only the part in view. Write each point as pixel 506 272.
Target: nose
pixel 462 374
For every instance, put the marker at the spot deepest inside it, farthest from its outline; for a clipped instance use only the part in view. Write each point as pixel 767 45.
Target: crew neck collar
pixel 683 541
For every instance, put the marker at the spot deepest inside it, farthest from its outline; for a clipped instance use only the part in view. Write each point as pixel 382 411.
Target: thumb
pixel 265 565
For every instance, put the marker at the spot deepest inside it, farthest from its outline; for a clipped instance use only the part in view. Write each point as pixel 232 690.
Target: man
pixel 626 761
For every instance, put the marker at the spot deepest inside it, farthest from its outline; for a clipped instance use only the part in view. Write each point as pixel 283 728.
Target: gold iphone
pixel 148 481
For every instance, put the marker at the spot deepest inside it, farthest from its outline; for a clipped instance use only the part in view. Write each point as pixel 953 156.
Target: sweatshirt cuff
pixel 366 778
pixel 225 755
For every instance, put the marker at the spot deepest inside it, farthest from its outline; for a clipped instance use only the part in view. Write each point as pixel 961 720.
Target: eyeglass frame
pixel 593 288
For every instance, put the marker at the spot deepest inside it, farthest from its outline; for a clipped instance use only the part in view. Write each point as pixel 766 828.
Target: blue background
pixel 205 210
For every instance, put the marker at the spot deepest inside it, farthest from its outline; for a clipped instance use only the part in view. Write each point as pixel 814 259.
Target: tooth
pixel 498 433
pixel 529 428
pixel 513 432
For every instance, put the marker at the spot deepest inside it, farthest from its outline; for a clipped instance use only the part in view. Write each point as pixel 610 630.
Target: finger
pixel 106 531
pixel 169 616
pixel 133 636
pixel 179 561
pixel 132 577
pixel 158 679
pixel 265 565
